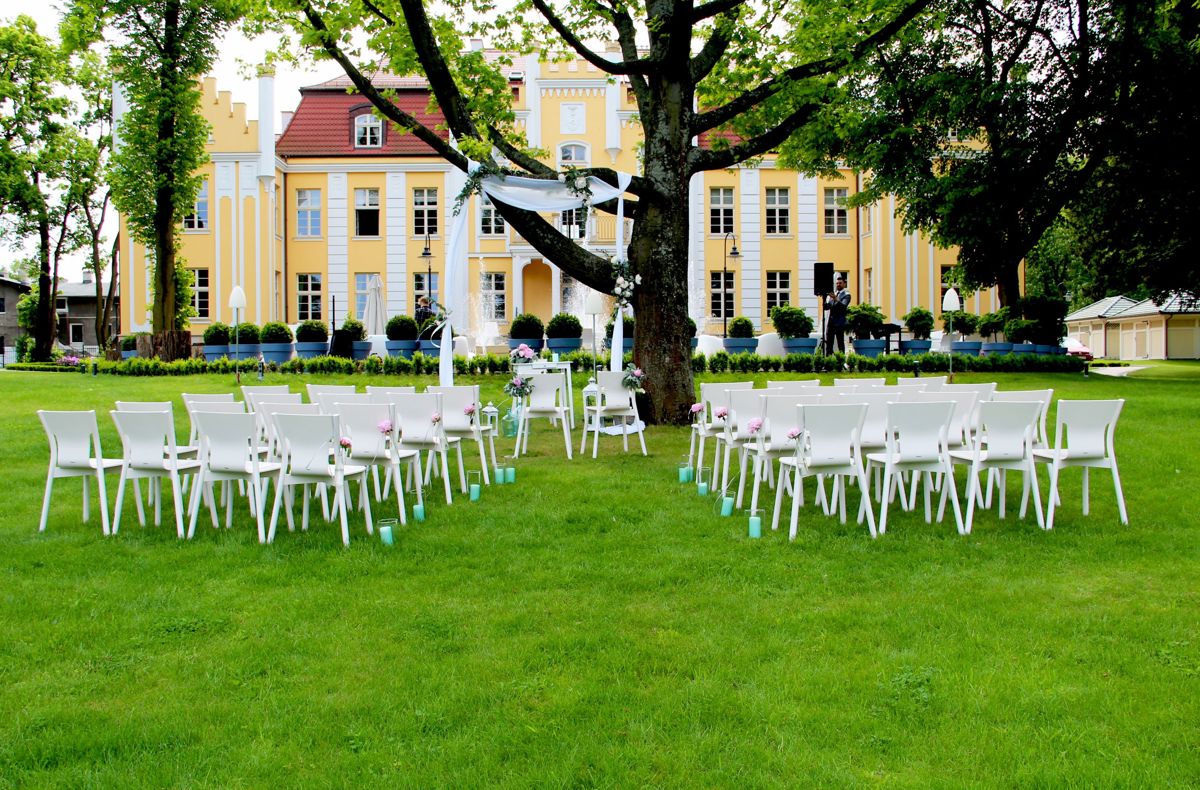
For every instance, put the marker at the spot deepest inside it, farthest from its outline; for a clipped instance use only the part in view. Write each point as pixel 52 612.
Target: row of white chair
pixel 549 398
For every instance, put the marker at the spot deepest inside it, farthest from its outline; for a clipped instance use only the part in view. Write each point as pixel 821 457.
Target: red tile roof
pixel 323 124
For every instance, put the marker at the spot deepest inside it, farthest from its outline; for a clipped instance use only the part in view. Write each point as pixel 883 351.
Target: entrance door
pixel 537 287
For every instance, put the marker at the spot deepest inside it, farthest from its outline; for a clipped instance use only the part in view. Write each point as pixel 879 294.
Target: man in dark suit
pixel 836 303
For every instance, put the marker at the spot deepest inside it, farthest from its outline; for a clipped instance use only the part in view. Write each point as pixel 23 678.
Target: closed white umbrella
pixel 374 315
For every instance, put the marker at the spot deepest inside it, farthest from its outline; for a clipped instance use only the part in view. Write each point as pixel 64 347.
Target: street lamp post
pixel 725 277
pixel 951 304
pixel 427 256
pixel 237 303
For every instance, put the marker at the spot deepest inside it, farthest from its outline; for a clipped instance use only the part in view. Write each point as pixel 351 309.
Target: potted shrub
pixel 991 325
pixel 627 328
pixel 1018 331
pixel 312 339
pixel 692 333
pixel 430 338
pixel 964 324
pixel 741 336
pixel 1049 327
pixel 564 333
pixel 526 328
pixel 216 341
pixel 919 323
pixel 275 341
pixel 401 336
pixel 794 328
pixel 354 329
pixel 865 321
pixel 244 339
pixel 129 347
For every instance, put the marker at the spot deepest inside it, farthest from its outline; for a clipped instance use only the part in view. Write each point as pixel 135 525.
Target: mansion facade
pixel 303 217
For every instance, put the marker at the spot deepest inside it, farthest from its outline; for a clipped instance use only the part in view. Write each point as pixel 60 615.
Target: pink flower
pixel 469 409
pixel 517 382
pixel 754 426
pixel 345 442
pixel 794 434
pixel 638 372
pixel 385 427
pixel 721 413
pixel 697 408
pixel 435 418
pixel 525 352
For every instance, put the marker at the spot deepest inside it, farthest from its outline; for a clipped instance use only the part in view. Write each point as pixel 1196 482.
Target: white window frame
pixel 362 282
pixel 569 219
pixel 714 294
pixel 837 215
pixel 490 221
pixel 197 220
pixel 778 220
pixel 308 213
pixel 60 305
pixel 71 333
pixel 367 199
pixel 205 291
pixel 420 289
pixel 425 211
pixel 572 160
pixel 306 294
pixel 721 201
pixel 867 221
pixel 369 126
pixel 777 293
pixel 493 293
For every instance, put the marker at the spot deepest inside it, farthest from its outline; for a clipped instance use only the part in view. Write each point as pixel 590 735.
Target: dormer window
pixel 573 155
pixel 368 131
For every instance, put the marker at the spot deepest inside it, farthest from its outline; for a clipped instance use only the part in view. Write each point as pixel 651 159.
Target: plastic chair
pixel 371 429
pixel 75 452
pixel 462 419
pixel 148 440
pixel 771 442
pixel 793 387
pixel 1044 397
pixel 706 425
pixel 864 383
pixel 316 390
pixel 329 400
pixel 254 394
pixel 613 402
pixel 266 412
pixel 744 406
pixel 917 442
pixel 307 442
pixel 222 402
pixel 420 432
pixel 964 411
pixel 1086 427
pixel 1003 442
pixel 376 390
pixel 546 399
pixel 229 451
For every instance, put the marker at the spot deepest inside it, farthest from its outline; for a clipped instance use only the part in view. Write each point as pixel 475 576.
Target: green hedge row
pixel 722 362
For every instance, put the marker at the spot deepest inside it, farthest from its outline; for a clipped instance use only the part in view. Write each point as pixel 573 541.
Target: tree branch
pixel 711 53
pixel 634 66
pixel 627 38
pixel 700 159
pixel 713 8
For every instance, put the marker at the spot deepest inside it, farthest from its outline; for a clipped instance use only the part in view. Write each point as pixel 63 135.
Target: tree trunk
pixel 1008 286
pixel 44 321
pixel 164 310
pixel 172 345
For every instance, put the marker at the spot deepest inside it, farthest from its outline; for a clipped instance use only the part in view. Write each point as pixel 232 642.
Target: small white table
pixel 563 367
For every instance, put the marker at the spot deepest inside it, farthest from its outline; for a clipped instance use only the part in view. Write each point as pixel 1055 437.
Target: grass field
pixel 597 625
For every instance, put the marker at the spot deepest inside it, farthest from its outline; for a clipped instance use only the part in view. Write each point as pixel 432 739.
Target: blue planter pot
pixel 1059 350
pixel 626 344
pixel 361 349
pixel 741 345
pixel 997 349
pixel 513 342
pixel 869 348
pixel 1045 349
pixel 313 349
pixel 213 352
pixel 915 346
pixel 432 348
pixel 563 345
pixel 276 352
pixel 1023 348
pixel 401 348
pixel 695 343
pixel 244 351
pixel 128 354
pixel 969 347
pixel 800 345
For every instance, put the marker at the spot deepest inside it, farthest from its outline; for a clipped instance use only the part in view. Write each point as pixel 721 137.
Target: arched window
pixel 573 154
pixel 368 131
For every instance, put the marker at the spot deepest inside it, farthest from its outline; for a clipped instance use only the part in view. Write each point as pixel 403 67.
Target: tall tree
pixel 33 137
pixel 165 47
pixel 761 71
pixel 990 117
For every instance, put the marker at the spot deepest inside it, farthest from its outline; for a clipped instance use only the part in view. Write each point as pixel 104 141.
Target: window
pixel 779 218
pixel 308 296
pixel 425 211
pixel 200 292
pixel 779 289
pixel 720 211
pixel 573 154
pixel 947 279
pixel 866 219
pixel 368 131
pixel 76 334
pixel 308 213
pixel 567 291
pixel 421 288
pixel 3 305
pixel 491 291
pixel 198 219
pixel 868 287
pixel 490 221
pixel 362 282
pixel 366 212
pixel 574 223
pixel 60 304
pixel 837 220
pixel 719 294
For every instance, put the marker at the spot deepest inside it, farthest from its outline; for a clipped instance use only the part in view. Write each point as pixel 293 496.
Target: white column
pixel 338 267
pixel 226 178
pixel 806 221
pixel 698 288
pixel 533 100
pixel 750 207
pixel 518 285
pixel 248 193
pixel 555 290
pixel 396 254
pixel 891 264
pixel 612 123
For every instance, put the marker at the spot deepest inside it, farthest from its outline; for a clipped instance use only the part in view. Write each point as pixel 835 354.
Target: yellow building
pixel 302 219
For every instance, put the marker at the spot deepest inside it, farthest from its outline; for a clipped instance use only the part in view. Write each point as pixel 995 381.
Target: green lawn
pixel 596 624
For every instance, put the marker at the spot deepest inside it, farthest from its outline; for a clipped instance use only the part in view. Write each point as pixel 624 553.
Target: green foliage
pixel 1048 314
pixel 719 362
pixel 401 327
pixel 628 326
pixel 791 322
pixel 960 321
pixel 312 331
pixel 741 327
pixel 992 324
pixel 129 342
pixel 218 333
pixel 919 322
pixel 275 332
pixel 1019 330
pixel 526 326
pixel 245 332
pixel 691 325
pixel 354 329
pixel 27 309
pixel 699 363
pixel 24 347
pixel 564 326
pixel 864 320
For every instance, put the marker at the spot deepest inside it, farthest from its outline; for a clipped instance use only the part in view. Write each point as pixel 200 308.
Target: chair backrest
pixel 964 409
pixel 255 394
pixel 905 386
pixel 790 386
pixel 933 383
pixel 547 390
pixel 267 412
pixel 613 393
pixel 1085 427
pixel 779 415
pixel 982 391
pixel 875 419
pixel 455 402
pixel 1044 397
pixel 369 426
pixel 832 431
pixel 146 436
pixel 228 440
pixel 328 401
pixel 1007 428
pixel 414 416
pixel 307 441
pixel 206 397
pixel 744 406
pixel 376 390
pixel 713 395
pixel 219 403
pixel 73 435
pixel 918 430
pixel 145 405
pixel 858 382
pixel 315 390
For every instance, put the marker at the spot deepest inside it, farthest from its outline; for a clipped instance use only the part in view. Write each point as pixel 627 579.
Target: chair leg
pixel 446 476
pixel 757 481
pixel 692 448
pixel 1087 494
pixel 927 486
pixel 1120 494
pixel 884 497
pixel 778 497
pixel 87 501
pixel 279 486
pixel 949 488
pixel 864 501
pixel 795 516
pixel 177 498
pixel 742 461
pixel 339 499
pixel 367 507
pixel 395 470
pixel 1031 477
pixel 1052 500
pixel 304 509
pixel 194 501
pixel 972 491
pixel 483 464
pixel 46 500
pixel 596 433
pixel 642 440
pixel 137 493
pixel 116 520
pixel 462 470
pixel 566 431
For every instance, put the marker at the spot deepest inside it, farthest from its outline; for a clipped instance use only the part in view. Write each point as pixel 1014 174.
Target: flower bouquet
pixel 518 387
pixel 522 355
pixel 634 378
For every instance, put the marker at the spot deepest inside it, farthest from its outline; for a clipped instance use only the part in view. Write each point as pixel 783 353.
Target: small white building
pixel 1118 327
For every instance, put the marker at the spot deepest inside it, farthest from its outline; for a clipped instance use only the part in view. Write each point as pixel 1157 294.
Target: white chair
pixel 376 390
pixel 964 411
pixel 1044 397
pixel 1003 442
pixel 793 387
pixel 1086 428
pixel 462 419
pixel 307 443
pixel 917 442
pixel 150 453
pixel 266 420
pixel 266 415
pixel 905 385
pixel 829 445
pixel 933 382
pixel 864 383
pixel 706 425
pixel 217 402
pixel 255 394
pixel 371 429
pixel 420 432
pixel 316 390
pixel 75 452
pixel 328 400
pixel 546 399
pixel 229 451
pixel 745 406
pixel 145 405
pixel 613 402
pixel 771 442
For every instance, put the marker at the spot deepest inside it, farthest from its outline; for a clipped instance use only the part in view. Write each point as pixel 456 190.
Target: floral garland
pixel 522 355
pixel 518 387
pixel 625 281
pixel 634 379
